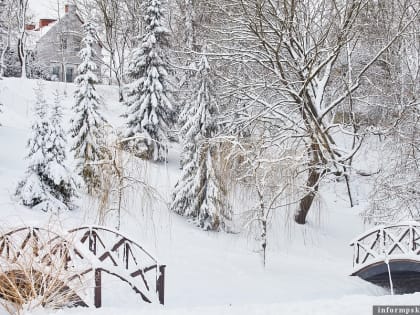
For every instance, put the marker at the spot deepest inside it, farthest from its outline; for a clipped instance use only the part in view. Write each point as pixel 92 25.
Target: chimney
pixel 45 22
pixel 30 27
pixel 69 8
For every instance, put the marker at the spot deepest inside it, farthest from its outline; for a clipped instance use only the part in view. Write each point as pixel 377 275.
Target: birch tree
pixel 6 26
pixel 22 6
pixel 119 25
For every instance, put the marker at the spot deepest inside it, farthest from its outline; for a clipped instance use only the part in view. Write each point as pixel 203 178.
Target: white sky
pixel 46 8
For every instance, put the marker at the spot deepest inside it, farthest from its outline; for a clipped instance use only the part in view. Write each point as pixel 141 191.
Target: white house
pixel 59 43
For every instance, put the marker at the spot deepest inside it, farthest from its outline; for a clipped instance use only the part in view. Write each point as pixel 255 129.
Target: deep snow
pixel 208 273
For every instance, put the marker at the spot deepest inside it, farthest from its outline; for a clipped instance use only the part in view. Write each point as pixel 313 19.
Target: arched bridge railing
pixel 115 254
pixel 386 243
pixel 34 260
pixel 86 252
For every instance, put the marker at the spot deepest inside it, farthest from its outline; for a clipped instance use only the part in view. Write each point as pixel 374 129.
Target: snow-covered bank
pixel 307 269
pixel 350 305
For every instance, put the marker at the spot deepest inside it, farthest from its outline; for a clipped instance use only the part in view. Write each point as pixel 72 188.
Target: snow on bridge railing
pixel 118 255
pixel 384 243
pixel 87 250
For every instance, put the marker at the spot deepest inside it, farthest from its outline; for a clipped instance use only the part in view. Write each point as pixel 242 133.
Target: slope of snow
pixel 207 273
pixel 349 305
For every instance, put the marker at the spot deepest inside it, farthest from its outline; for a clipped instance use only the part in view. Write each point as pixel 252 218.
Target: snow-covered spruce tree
pixel 150 112
pixel 87 123
pixel 200 193
pixel 57 175
pixel 47 185
pixel 32 191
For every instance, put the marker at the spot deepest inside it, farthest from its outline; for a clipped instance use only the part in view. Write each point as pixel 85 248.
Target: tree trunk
pixel 306 202
pixel 23 6
pixel 22 57
pixel 2 65
pixel 120 88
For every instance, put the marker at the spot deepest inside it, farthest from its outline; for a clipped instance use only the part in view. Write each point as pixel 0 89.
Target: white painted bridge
pixel 389 254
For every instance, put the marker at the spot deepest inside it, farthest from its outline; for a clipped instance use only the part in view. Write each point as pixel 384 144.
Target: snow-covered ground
pixel 307 268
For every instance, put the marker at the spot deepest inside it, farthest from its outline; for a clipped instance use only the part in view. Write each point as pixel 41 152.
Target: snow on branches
pixel 199 194
pixel 150 113
pixel 87 123
pixel 48 184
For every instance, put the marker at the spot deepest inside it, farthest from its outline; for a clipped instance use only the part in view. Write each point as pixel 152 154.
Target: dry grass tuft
pixel 34 273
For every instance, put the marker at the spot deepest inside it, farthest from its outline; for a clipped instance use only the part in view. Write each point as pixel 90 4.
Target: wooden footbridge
pixel 75 261
pixel 389 256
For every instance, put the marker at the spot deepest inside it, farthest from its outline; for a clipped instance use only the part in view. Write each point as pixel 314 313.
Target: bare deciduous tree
pixel 22 6
pixel 120 25
pixel 291 54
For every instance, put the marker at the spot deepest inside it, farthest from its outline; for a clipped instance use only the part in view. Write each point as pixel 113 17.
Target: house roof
pixel 42 31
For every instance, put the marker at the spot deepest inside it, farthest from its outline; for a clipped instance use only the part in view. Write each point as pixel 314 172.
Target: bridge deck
pixel 405 275
pixel 389 250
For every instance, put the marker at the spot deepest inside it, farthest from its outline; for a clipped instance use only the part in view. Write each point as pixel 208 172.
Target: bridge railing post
pixel 92 242
pixel 356 250
pixel 160 284
pixel 98 288
pixel 382 241
pixel 412 245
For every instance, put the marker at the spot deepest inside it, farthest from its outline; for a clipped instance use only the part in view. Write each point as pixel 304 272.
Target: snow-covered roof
pixel 35 35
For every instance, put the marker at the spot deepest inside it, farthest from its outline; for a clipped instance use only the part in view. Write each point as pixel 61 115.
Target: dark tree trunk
pixel 120 91
pixel 20 51
pixel 306 202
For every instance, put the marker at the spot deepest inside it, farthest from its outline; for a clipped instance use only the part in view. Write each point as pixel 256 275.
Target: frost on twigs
pixel 122 176
pixel 267 178
pixel 396 192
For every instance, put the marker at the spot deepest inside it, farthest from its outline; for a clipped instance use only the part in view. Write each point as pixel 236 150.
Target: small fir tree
pixel 32 191
pixel 48 185
pixel 87 123
pixel 150 113
pixel 199 194
pixel 59 177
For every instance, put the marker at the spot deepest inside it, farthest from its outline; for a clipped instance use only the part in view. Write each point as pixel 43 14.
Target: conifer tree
pixel 199 194
pixel 32 191
pixel 87 122
pixel 48 185
pixel 58 176
pixel 150 113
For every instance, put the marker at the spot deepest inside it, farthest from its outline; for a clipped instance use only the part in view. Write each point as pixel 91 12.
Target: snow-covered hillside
pixel 307 268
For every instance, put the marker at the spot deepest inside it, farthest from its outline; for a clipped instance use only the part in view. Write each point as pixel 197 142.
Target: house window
pixel 76 44
pixel 63 43
pixel 56 73
pixel 69 75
